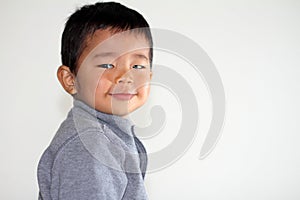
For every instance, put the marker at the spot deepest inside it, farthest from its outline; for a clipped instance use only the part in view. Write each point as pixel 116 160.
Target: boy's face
pixel 114 72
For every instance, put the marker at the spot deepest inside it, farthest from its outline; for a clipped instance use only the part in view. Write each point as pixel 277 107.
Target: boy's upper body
pixel 106 56
pixel 93 156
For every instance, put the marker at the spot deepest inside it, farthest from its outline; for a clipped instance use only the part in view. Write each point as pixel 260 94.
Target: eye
pixel 138 67
pixel 106 66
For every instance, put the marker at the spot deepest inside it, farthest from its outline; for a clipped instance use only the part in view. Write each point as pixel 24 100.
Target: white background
pixel 255 46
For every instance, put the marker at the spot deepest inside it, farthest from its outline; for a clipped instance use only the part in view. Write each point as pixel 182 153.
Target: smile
pixel 123 96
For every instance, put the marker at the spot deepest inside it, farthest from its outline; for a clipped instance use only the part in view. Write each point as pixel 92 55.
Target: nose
pixel 124 77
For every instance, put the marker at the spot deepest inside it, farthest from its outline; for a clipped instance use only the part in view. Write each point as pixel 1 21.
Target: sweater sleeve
pixel 77 175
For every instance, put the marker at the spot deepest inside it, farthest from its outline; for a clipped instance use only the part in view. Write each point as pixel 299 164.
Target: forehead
pixel 108 41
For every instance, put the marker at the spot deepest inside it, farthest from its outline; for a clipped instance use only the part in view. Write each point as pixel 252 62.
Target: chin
pixel 124 110
pixel 121 111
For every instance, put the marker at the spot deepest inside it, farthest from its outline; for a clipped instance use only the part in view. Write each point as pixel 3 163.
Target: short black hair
pixel 102 15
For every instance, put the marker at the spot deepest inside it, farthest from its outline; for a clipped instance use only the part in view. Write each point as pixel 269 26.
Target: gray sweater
pixel 93 156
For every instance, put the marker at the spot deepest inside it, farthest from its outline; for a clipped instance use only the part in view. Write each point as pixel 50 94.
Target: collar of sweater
pixel 115 122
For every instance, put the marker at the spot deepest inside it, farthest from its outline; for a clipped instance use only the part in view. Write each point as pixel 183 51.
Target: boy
pixel 106 57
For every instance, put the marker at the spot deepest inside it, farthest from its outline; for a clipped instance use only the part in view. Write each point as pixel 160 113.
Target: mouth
pixel 123 96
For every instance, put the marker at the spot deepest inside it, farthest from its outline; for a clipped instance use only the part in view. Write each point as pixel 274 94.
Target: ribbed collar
pixel 113 121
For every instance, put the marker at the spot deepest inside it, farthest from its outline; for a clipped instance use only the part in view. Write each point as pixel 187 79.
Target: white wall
pixel 255 46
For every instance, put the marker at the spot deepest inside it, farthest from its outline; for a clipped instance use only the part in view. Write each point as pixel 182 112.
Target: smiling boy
pixel 106 67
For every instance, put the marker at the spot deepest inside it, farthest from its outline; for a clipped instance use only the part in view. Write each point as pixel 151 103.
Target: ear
pixel 67 79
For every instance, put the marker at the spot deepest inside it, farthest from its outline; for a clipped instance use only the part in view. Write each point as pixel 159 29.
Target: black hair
pixel 102 15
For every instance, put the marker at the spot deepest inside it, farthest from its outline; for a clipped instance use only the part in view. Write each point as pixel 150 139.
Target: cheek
pixel 141 78
pixel 144 92
pixel 88 81
pixel 103 85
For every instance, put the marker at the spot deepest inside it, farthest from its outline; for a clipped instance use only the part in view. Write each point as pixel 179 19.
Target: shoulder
pixel 83 136
pixel 82 139
pixel 82 152
pixel 90 148
pixel 80 170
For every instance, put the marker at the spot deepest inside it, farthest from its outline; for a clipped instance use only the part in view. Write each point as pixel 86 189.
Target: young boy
pixel 106 67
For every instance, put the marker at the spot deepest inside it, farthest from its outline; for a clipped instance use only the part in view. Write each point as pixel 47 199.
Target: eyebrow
pixel 142 56
pixel 105 54
pixel 114 54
